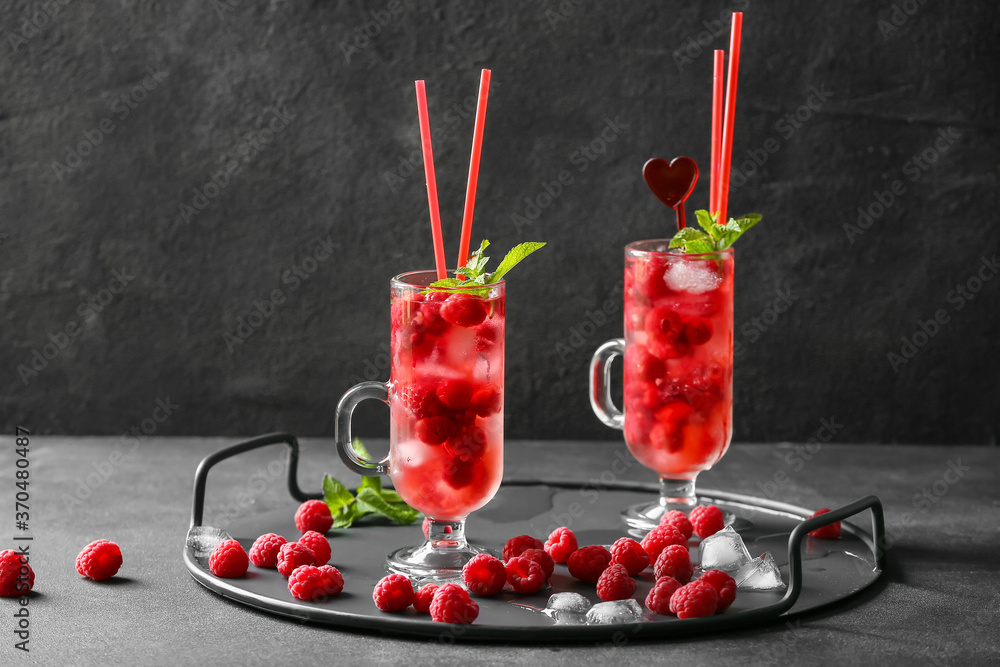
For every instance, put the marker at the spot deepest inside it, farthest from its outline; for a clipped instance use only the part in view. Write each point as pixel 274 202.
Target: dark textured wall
pixel 123 262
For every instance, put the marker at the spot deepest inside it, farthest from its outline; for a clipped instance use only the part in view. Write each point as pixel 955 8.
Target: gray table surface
pixel 937 603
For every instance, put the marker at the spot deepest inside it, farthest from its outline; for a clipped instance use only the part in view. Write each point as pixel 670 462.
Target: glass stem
pixel 677 492
pixel 446 534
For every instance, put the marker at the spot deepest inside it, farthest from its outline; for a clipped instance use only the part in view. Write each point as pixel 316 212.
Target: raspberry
pixel 463 311
pixel 484 575
pixel 308 582
pixel 661 537
pixel 317 544
pixel 679 521
pixel 674 414
pixel 723 584
pixel 10 571
pixel 643 366
pixel 516 545
pixel 452 604
pixel 459 474
pixel 626 551
pixel 426 527
pixel 264 552
pixel 666 437
pixel 469 444
pixel 697 331
pixel 663 324
pixel 615 583
pixel 561 544
pixel 830 532
pixel 674 561
pixel 658 600
pixel 420 398
pixel 291 555
pixel 313 515
pixel 455 394
pixel 422 598
pixel 707 520
pixel 694 600
pixel 587 563
pixel 487 401
pixel 393 592
pixel 542 558
pixel 435 430
pixel 228 560
pixel 101 559
pixel 524 575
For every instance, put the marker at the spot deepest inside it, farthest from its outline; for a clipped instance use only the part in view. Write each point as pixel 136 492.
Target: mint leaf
pixel 718 237
pixel 372 483
pixel 335 494
pixel 706 221
pixel 360 450
pixel 688 235
pixel 345 516
pixel 390 496
pixel 399 513
pixel 513 258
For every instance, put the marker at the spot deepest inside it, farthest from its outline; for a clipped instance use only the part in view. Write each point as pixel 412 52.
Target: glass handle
pixel 345 409
pixel 600 383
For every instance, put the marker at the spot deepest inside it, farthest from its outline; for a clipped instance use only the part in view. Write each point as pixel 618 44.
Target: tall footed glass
pixel 678 370
pixel 445 396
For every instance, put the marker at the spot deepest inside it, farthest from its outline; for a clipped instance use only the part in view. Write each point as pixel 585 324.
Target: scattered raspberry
pixel 292 555
pixel 422 598
pixel 723 584
pixel 463 311
pixel 101 559
pixel 318 544
pixel 228 560
pixel 661 537
pixel 393 592
pixel 264 552
pixel 626 551
pixel 313 515
pixel 830 532
pixel 10 571
pixel 658 600
pixel 542 558
pixel 308 582
pixel 587 563
pixel 615 583
pixel 524 575
pixel 679 521
pixel 561 544
pixel 484 575
pixel 516 545
pixel 452 604
pixel 694 600
pixel 707 520
pixel 674 561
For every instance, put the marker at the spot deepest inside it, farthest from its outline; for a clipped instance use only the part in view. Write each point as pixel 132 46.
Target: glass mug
pixel 678 370
pixel 445 397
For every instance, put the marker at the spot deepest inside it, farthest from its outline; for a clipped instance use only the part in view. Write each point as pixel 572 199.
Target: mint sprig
pixel 716 237
pixel 371 498
pixel 474 277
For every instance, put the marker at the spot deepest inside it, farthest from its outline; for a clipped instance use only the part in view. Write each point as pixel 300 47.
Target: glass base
pixel 425 564
pixel 644 517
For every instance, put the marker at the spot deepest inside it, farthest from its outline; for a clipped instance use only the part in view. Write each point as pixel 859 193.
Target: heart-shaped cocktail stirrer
pixel 672 182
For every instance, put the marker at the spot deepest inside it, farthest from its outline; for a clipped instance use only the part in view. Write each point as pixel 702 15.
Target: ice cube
pixel 619 611
pixel 760 574
pixel 694 277
pixel 203 539
pixel 723 551
pixel 568 602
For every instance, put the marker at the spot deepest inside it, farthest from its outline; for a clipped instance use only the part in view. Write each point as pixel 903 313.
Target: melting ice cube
pixel 723 551
pixel 203 539
pixel 693 277
pixel 760 574
pixel 569 602
pixel 619 611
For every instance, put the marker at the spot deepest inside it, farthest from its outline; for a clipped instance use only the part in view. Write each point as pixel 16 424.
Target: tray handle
pixel 201 475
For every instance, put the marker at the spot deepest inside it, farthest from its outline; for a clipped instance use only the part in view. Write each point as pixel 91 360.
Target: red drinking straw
pixel 477 149
pixel 727 132
pixel 432 194
pixel 718 79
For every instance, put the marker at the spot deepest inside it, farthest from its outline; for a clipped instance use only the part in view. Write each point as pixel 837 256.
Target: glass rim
pixel 405 279
pixel 634 248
